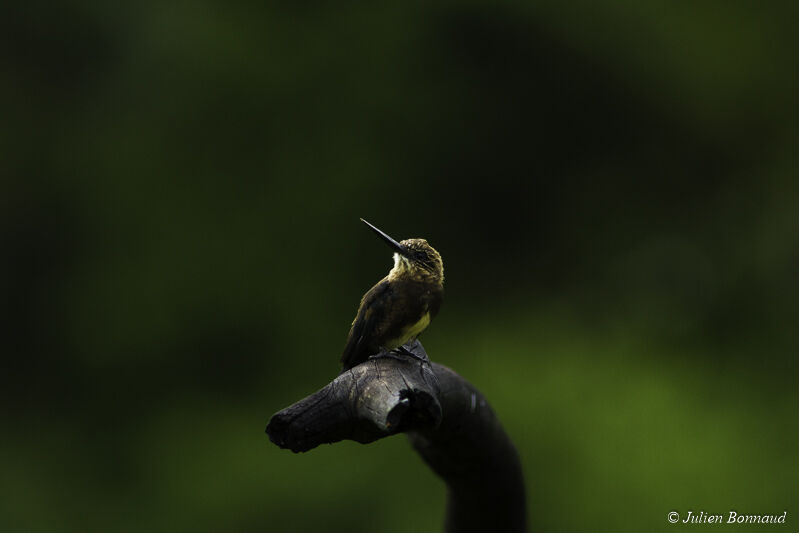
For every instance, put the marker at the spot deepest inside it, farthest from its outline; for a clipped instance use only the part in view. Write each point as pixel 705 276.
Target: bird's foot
pixel 404 351
pixel 392 354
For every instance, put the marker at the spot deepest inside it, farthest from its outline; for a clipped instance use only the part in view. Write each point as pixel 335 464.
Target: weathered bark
pixel 447 420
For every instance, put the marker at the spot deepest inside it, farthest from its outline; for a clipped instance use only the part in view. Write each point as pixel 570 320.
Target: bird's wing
pixel 369 320
pixel 435 299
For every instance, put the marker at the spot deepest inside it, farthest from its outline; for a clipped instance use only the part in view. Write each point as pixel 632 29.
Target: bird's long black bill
pixel 397 247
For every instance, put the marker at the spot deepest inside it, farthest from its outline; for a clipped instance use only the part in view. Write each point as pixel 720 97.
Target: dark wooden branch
pixel 448 422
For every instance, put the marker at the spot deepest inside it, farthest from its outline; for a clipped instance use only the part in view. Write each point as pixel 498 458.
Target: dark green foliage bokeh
pixel 613 189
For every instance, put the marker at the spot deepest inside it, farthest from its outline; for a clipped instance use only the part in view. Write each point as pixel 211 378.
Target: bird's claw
pixel 396 353
pixel 404 351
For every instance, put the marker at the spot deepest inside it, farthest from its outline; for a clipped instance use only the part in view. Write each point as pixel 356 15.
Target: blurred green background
pixel 613 189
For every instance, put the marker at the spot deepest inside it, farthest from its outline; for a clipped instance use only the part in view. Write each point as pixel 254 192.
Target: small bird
pixel 401 305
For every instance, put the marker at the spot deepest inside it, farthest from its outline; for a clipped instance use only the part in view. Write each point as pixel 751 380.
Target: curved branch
pixel 448 422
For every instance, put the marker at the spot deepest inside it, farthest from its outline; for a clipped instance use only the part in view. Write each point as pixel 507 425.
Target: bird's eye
pixel 422 256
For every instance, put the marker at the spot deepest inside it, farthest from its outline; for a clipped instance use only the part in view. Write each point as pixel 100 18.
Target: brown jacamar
pixel 401 305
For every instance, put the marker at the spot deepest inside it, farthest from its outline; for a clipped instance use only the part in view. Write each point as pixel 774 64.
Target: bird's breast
pixel 419 326
pixel 410 331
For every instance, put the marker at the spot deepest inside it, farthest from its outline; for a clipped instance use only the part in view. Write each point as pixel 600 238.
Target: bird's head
pixel 413 258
